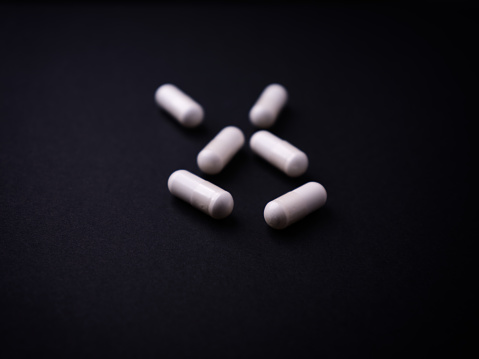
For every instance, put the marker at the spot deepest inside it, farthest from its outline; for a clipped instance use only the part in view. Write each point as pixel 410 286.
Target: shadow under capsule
pixel 199 131
pixel 193 214
pixel 279 128
pixel 285 118
pixel 230 171
pixel 302 230
pixel 294 182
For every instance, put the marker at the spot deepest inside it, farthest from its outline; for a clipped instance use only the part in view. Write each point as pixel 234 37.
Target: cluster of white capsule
pixel 215 201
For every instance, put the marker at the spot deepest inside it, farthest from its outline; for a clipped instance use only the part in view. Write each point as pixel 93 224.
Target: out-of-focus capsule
pixel 268 106
pixel 220 150
pixel 179 105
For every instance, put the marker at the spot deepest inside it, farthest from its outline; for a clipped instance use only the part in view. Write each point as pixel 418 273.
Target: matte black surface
pixel 97 259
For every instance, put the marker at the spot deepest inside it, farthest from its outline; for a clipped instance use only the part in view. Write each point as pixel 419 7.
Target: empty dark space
pixel 98 259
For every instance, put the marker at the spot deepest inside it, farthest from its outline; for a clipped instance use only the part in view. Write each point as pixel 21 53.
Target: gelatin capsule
pixel 179 105
pixel 220 150
pixel 279 153
pixel 295 205
pixel 268 106
pixel 201 194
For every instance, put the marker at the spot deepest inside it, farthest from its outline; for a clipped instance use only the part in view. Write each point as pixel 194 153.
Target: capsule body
pixel 220 150
pixel 201 194
pixel 295 205
pixel 279 153
pixel 179 105
pixel 268 106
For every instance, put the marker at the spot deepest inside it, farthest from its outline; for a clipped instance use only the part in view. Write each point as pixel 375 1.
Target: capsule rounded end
pixel 279 91
pixel 193 117
pixel 172 179
pixel 275 216
pixel 209 162
pixel 297 165
pixel 235 132
pixel 255 139
pixel 222 206
pixel 319 192
pixel 160 89
pixel 261 117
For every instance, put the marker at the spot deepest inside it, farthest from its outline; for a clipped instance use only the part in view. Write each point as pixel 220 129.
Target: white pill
pixel 279 153
pixel 220 150
pixel 295 205
pixel 201 194
pixel 179 105
pixel 268 106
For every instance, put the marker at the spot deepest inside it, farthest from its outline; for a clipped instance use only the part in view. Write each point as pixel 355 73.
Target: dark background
pixel 97 259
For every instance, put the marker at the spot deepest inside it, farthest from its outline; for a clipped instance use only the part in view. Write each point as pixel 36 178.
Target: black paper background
pixel 97 259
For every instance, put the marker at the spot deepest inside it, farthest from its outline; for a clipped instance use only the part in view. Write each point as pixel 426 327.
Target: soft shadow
pixel 305 230
pixel 200 131
pixel 230 172
pixel 194 215
pixel 284 120
pixel 294 182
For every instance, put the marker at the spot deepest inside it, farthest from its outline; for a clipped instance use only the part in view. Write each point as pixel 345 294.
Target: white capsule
pixel 179 105
pixel 268 106
pixel 279 153
pixel 295 205
pixel 220 150
pixel 201 194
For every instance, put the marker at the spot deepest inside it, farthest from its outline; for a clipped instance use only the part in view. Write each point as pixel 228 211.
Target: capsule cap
pixel 275 216
pixel 297 165
pixel 221 206
pixel 209 162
